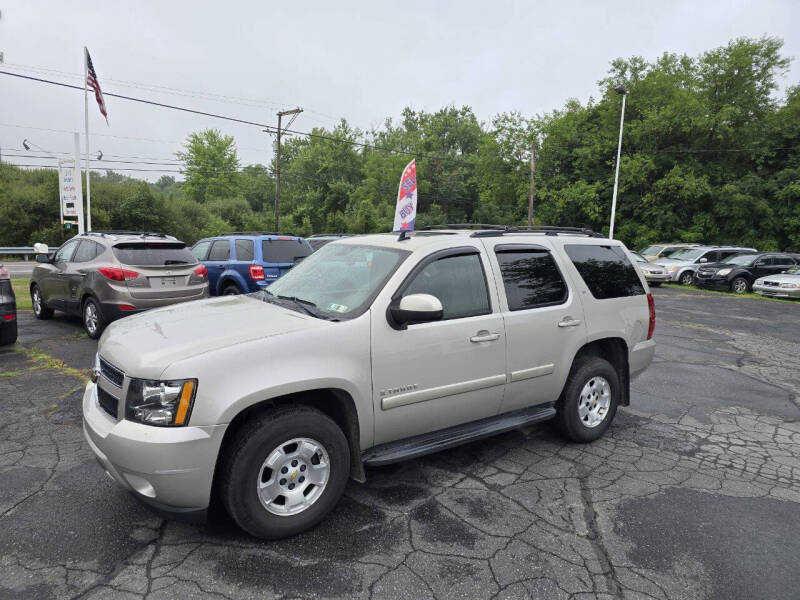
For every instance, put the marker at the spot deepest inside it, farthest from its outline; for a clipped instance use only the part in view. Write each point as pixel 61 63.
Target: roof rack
pixel 115 232
pixel 257 233
pixel 331 235
pixel 488 230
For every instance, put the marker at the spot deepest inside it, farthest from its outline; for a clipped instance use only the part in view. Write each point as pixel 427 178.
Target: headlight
pixel 164 403
pixel 674 268
pixel 790 285
pixel 724 271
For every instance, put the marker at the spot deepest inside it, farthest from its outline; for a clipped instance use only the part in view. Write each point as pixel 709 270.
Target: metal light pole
pixel 620 89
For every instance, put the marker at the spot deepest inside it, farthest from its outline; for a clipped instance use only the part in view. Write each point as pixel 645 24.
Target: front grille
pixel 112 373
pixel 107 402
pixel 770 283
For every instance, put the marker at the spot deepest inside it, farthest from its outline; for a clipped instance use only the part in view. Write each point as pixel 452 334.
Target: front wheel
pixel 739 285
pixel 589 401
pixel 686 278
pixel 284 471
pixel 93 321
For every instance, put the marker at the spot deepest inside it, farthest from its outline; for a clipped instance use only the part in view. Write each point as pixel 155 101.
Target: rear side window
pixel 284 251
pixel 244 250
pixel 200 250
pixel 531 278
pixel 606 270
pixel 86 251
pixel 459 284
pixel 153 254
pixel 220 250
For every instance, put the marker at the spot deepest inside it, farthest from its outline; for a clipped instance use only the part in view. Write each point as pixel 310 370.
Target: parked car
pixel 318 240
pixel 103 276
pixel 684 263
pixel 240 262
pixel 654 273
pixel 783 285
pixel 8 309
pixel 372 350
pixel 656 252
pixel 737 273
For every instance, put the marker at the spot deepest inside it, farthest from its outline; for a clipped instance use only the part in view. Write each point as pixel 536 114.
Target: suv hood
pixel 144 345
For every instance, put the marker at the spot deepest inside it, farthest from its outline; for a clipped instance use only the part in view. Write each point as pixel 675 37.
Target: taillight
pixel 201 271
pixel 4 273
pixel 651 306
pixel 256 272
pixel 9 317
pixel 117 274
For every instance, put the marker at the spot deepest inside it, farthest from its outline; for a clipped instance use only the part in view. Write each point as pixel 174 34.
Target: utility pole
pixel 620 89
pixel 295 112
pixel 533 188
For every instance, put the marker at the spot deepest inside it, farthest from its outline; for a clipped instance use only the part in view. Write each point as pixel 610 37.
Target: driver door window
pixel 458 282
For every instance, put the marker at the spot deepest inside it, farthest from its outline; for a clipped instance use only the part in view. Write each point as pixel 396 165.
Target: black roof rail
pixel 104 232
pixel 257 233
pixel 463 226
pixel 489 230
pixel 331 235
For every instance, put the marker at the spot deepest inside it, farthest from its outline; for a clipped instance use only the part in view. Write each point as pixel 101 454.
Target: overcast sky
pixel 363 61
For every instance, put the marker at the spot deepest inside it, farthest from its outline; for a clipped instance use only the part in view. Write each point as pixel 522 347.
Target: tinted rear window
pixel 284 251
pixel 153 254
pixel 531 278
pixel 606 270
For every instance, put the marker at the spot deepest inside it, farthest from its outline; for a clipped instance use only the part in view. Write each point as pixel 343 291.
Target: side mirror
pixel 43 258
pixel 415 308
pixel 703 260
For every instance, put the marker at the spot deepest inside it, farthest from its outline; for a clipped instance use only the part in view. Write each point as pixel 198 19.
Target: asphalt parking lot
pixel 694 494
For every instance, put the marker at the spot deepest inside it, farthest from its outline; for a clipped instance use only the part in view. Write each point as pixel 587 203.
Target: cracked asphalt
pixel 694 493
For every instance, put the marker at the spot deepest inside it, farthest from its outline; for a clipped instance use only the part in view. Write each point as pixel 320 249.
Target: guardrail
pixel 24 251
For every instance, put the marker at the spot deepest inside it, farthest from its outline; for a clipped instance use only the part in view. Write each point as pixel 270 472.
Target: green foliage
pixel 710 154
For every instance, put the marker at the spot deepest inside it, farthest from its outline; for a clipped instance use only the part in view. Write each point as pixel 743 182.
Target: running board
pixel 429 443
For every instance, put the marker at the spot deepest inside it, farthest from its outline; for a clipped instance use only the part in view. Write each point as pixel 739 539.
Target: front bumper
pixel 713 283
pixel 169 468
pixel 653 278
pixel 777 292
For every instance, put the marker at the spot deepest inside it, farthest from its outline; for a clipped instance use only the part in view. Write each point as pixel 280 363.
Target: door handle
pixel 569 322
pixel 484 336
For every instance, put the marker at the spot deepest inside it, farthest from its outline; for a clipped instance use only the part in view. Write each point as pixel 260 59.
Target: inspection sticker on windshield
pixel 341 308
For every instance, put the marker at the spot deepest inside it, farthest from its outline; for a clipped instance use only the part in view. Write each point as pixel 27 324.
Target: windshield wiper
pixel 307 306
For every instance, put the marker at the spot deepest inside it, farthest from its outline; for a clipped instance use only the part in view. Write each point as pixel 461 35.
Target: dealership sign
pixel 69 187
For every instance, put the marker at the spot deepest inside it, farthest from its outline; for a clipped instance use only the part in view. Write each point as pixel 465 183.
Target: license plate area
pixel 159 282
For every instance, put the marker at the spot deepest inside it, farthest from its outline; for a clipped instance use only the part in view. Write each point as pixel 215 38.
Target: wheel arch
pixel 615 351
pixel 228 277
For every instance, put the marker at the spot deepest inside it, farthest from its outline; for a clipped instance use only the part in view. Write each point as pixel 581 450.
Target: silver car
pixel 108 275
pixel 656 252
pixel 785 285
pixel 683 265
pixel 654 273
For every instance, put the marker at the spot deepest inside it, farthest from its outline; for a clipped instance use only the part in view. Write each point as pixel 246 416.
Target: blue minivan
pixel 239 262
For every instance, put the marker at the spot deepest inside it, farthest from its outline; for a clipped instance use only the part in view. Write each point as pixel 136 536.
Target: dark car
pixel 318 240
pixel 103 276
pixel 8 309
pixel 737 273
pixel 244 262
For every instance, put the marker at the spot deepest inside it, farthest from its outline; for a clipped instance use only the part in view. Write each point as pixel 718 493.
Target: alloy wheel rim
pixel 739 286
pixel 594 401
pixel 293 476
pixel 37 302
pixel 90 317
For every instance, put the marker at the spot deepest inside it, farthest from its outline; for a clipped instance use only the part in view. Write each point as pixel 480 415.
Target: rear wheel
pixel 231 290
pixel 40 309
pixel 687 278
pixel 284 471
pixel 739 285
pixel 8 333
pixel 589 401
pixel 93 321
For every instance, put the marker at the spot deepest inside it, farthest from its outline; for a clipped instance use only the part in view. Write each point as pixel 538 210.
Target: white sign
pixel 70 190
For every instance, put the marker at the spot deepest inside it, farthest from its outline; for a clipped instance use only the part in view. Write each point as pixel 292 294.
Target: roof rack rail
pixel 330 235
pixel 105 232
pixel 257 233
pixel 463 226
pixel 489 230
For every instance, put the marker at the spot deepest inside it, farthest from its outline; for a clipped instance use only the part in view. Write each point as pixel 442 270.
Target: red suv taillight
pixel 9 317
pixel 4 273
pixel 201 271
pixel 117 274
pixel 256 272
pixel 651 306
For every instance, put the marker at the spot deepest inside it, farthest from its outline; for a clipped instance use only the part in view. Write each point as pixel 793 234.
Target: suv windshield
pixel 744 260
pixel 153 254
pixel 341 280
pixel 688 253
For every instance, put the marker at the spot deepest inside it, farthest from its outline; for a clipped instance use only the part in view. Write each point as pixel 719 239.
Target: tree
pixel 211 166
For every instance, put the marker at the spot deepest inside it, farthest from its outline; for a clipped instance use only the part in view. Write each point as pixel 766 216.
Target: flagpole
pixel 86 121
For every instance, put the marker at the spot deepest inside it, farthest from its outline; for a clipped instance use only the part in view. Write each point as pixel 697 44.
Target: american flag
pixel 91 81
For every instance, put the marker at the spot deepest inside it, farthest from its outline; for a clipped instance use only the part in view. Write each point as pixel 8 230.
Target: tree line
pixel 710 154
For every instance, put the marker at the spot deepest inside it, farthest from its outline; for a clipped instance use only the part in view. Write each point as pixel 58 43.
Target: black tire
pixel 93 321
pixel 8 333
pixel 655 284
pixel 42 312
pixel 740 285
pixel 231 290
pixel 241 467
pixel 583 372
pixel 686 278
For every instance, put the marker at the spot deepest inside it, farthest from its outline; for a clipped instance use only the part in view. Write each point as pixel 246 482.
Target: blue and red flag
pixel 406 211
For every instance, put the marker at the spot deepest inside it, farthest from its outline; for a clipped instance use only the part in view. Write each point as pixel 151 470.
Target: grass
pixel 42 360
pixel 678 286
pixel 21 288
